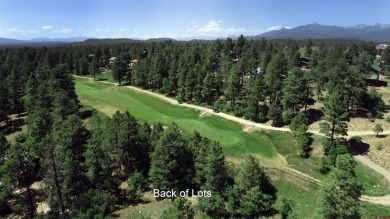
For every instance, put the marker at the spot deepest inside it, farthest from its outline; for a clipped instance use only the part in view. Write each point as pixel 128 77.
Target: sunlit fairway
pixel 108 98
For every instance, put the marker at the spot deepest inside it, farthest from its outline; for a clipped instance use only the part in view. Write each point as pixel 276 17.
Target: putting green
pixel 108 98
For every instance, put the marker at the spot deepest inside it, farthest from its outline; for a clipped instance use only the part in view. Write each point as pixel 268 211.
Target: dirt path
pixel 369 163
pixel 384 200
pixel 231 117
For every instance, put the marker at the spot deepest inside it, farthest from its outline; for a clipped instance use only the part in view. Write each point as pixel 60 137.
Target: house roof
pixel 112 58
pixel 304 59
pixel 372 77
pixel 376 68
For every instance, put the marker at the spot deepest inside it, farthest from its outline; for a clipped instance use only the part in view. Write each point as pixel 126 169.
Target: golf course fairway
pixel 107 98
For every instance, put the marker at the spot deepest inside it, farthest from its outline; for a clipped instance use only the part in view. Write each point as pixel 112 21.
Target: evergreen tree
pixel 94 68
pixel 119 69
pixel 340 193
pixel 252 192
pixel 171 161
pixel 4 103
pixel 135 186
pixel 210 170
pixel 213 206
pixel 232 85
pixel 303 140
pixel 273 77
pixel 336 114
pixel 275 113
pixel 181 209
pixel 294 91
pixel 297 121
pixel 19 172
pixel 308 48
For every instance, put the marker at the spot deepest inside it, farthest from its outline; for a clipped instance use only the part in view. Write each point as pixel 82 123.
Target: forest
pixel 82 167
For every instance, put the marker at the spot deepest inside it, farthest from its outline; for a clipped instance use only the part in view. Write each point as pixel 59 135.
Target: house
pixel 382 46
pixel 304 62
pixel 373 76
pixel 90 57
pixel 132 62
pixel 111 60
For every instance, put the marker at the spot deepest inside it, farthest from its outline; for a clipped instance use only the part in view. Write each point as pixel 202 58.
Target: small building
pixel 382 46
pixel 111 60
pixel 304 62
pixel 132 62
pixel 375 69
pixel 373 76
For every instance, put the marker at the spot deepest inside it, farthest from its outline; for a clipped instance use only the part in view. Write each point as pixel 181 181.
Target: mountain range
pixel 376 33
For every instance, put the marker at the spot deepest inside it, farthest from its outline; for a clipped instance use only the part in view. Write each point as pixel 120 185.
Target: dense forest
pixel 82 169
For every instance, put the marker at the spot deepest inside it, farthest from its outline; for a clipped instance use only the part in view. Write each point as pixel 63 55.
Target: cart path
pixel 384 200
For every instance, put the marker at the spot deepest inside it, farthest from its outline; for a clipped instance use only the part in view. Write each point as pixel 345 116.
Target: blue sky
pixel 26 19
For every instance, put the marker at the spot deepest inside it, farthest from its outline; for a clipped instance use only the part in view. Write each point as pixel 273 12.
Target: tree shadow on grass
pixel 86 113
pixel 357 147
pixel 314 115
pixel 13 126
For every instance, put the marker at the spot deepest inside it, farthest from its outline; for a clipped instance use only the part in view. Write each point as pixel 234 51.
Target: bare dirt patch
pixel 379 151
pixel 205 113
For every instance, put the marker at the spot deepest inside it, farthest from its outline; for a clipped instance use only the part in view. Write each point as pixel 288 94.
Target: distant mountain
pixel 376 32
pixel 10 41
pixel 65 40
pixel 41 40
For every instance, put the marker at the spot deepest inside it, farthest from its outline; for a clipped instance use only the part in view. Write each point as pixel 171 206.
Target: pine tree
pixel 294 91
pixel 340 193
pixel 19 172
pixel 336 114
pixel 171 166
pixel 210 170
pixel 119 69
pixel 94 68
pixel 273 76
pixel 274 113
pixel 181 209
pixel 252 189
pixel 303 140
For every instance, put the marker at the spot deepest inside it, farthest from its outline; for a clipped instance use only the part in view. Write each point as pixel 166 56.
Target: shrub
pixel 297 121
pixel 387 119
pixel 135 187
pixel 323 166
pixel 378 128
pixel 285 208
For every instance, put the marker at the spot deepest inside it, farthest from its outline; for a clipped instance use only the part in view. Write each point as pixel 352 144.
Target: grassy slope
pixel 236 143
pixel 108 99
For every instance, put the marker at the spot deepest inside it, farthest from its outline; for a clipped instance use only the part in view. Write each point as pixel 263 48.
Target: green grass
pixel 107 99
pixel 286 146
pixel 236 143
pixel 373 183
pixel 301 194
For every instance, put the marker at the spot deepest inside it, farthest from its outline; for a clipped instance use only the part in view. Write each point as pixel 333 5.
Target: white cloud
pixel 215 27
pixel 64 30
pixel 47 27
pixel 212 26
pixel 124 30
pixel 16 30
pixel 236 30
pixel 278 27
